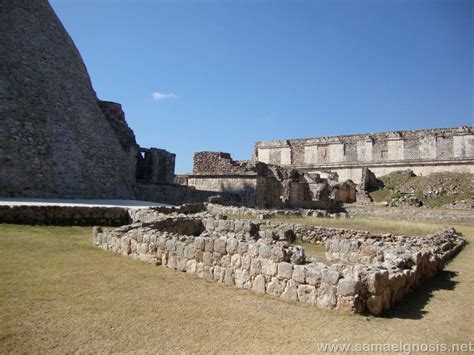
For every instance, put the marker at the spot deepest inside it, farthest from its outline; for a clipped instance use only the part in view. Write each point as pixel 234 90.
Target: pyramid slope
pixel 54 138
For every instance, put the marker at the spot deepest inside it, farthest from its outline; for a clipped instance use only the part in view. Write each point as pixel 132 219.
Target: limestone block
pixel 265 251
pixel 181 263
pixel 326 296
pixel 347 304
pixel 142 248
pixel 171 245
pixel 347 287
pixel 306 293
pixel 253 249
pixel 275 287
pixel 224 259
pixel 235 261
pixel 290 292
pixel 199 243
pixel 191 266
pixel 151 248
pixel 299 273
pixel 207 272
pixel 133 246
pixel 161 242
pixel 277 254
pixel 246 261
pixel 242 279
pixel 264 155
pixel 259 284
pixel 331 276
pixel 189 251
pixel 218 273
pixel 285 156
pixel 220 245
pixel 224 225
pixel 243 247
pixel 229 276
pixel 209 244
pixel 207 258
pixel 172 260
pixel 231 246
pixel 336 152
pixel 377 281
pixel 269 268
pixel 198 255
pixel 255 267
pixel 375 304
pixel 285 270
pixel 314 274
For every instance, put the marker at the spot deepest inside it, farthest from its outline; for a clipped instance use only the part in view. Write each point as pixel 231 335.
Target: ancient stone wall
pixel 175 194
pixel 65 216
pixel 217 163
pixel 54 137
pixel 424 151
pixel 230 252
pixel 262 185
pixel 155 166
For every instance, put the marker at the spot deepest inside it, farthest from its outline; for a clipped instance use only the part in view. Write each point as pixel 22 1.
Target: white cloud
pixel 158 96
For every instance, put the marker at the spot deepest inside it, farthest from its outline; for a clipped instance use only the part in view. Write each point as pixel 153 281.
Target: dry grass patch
pixel 378 225
pixel 60 294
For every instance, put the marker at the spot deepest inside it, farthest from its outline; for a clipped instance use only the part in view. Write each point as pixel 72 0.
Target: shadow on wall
pixel 413 306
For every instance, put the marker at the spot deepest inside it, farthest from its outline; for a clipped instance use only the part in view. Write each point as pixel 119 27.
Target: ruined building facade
pixel 423 151
pixel 258 184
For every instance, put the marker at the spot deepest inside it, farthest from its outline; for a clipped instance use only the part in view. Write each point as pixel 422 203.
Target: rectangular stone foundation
pixel 234 253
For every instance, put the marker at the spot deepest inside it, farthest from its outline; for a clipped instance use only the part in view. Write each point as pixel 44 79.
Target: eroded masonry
pixel 361 272
pixel 424 151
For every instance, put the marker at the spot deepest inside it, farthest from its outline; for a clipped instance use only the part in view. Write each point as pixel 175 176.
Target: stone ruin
pixel 266 186
pixel 362 273
pixel 58 140
pixel 424 151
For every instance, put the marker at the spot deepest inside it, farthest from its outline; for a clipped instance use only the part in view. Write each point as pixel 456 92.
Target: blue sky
pixel 221 75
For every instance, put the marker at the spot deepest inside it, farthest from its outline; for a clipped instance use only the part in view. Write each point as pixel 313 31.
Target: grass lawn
pixel 60 294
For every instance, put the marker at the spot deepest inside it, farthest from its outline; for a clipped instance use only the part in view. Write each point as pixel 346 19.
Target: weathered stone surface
pixel 242 279
pixel 373 287
pixel 347 287
pixel 327 296
pixel 290 292
pixel 220 245
pixel 313 274
pixel 259 284
pixel 285 270
pixel 377 281
pixel 306 293
pixel 275 287
pixel 388 150
pixel 54 139
pixel 299 273
pixel 269 268
pixel 375 304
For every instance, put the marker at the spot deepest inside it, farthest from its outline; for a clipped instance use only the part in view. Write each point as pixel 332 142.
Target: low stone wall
pixel 234 253
pixel 175 194
pixel 63 215
pixel 216 209
pixel 153 213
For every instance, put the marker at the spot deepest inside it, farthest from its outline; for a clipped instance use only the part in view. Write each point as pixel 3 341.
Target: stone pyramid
pixel 54 139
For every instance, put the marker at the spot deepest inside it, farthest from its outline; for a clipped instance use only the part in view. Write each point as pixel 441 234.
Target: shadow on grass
pixel 412 307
